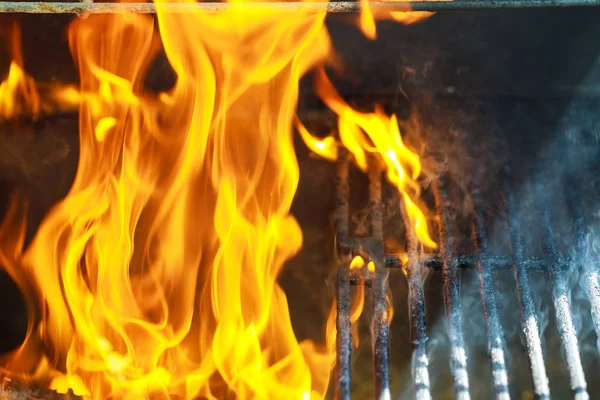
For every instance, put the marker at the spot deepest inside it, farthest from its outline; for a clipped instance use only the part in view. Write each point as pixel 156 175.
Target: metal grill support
pixel 495 333
pixel 458 355
pixel 418 325
pixel 562 305
pixel 590 270
pixel 84 8
pixel 530 324
pixel 371 248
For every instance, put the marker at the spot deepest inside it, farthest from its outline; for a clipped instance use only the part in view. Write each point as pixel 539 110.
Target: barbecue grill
pixel 500 184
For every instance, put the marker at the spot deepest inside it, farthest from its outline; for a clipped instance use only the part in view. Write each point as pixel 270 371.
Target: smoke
pixel 552 146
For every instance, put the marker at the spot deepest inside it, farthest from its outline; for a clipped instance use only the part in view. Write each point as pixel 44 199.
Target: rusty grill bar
pixel 495 332
pixel 591 272
pixel 372 249
pixel 89 7
pixel 458 357
pixel 450 263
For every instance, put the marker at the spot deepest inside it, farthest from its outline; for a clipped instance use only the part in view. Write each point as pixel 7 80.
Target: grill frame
pixel 86 7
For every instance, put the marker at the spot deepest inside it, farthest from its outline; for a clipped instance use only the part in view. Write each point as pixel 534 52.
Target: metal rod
pixel 381 347
pixel 495 334
pixel 376 209
pixel 458 356
pixel 292 6
pixel 416 306
pixel 496 261
pixel 342 209
pixel 591 274
pixel 379 287
pixel 344 335
pixel 562 304
pixel 529 318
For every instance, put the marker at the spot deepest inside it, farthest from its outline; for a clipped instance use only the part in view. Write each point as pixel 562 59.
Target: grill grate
pixel 449 262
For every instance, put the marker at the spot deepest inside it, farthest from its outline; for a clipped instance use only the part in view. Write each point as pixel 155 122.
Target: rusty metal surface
pixel 37 7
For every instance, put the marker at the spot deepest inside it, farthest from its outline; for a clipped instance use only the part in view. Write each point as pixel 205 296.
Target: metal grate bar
pixel 496 262
pixel 36 7
pixel 344 335
pixel 418 325
pixel 591 275
pixel 529 318
pixel 342 210
pixel 379 288
pixel 458 356
pixel 371 248
pixel 496 344
pixel 560 296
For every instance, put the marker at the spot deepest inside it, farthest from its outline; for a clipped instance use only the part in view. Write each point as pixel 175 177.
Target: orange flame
pixel 21 95
pixel 18 92
pixel 357 262
pixel 326 147
pixel 378 133
pixel 368 16
pixel 357 301
pixel 157 274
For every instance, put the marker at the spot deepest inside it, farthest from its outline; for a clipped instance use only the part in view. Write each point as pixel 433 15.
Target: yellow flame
pixel 157 274
pixel 368 16
pixel 410 17
pixel 357 301
pixel 21 95
pixel 326 147
pixel 357 262
pixel 104 125
pixel 367 21
pixel 18 93
pixel 371 266
pixel 357 305
pixel 379 134
pixel 390 308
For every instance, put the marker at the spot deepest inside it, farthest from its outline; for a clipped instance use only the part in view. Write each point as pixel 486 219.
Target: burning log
pixel 16 390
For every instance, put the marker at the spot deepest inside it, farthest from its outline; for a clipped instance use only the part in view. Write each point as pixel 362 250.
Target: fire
pixel 157 274
pixel 368 16
pixel 21 95
pixel 18 92
pixel 377 133
pixel 357 301
pixel 326 147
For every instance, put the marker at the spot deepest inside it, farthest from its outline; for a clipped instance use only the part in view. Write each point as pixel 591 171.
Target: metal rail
pixel 372 249
pixel 495 333
pixel 591 271
pixel 417 314
pixel 497 262
pixel 458 355
pixel 529 319
pixel 562 303
pixel 85 8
